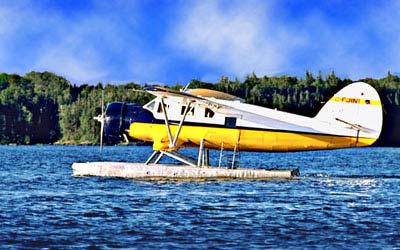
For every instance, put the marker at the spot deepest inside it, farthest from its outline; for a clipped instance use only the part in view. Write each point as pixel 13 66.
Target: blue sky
pixel 170 41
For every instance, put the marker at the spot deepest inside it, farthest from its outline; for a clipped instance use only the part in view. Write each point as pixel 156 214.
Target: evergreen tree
pixel 46 108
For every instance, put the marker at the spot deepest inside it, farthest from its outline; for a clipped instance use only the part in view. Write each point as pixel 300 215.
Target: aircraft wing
pixel 165 92
pixel 227 107
pixel 187 97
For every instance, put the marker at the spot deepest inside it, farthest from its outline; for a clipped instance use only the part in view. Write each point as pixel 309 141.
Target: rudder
pixel 356 107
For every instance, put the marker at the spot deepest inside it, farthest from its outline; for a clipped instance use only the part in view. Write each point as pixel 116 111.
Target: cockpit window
pixel 150 106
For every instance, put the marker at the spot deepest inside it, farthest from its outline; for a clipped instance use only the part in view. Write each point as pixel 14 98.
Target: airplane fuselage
pixel 231 130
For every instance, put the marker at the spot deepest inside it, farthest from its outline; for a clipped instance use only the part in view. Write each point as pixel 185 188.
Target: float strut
pixel 200 161
pixel 154 154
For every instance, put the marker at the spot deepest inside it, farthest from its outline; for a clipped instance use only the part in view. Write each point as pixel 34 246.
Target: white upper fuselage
pixel 246 116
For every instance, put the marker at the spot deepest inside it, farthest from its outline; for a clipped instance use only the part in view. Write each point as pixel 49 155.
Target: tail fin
pixel 356 107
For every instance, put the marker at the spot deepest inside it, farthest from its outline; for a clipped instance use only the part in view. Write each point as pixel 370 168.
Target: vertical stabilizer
pixel 357 107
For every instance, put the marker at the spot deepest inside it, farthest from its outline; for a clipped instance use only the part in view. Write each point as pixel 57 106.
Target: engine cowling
pixel 119 116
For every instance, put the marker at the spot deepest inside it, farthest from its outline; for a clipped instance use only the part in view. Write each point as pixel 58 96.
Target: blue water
pixel 345 199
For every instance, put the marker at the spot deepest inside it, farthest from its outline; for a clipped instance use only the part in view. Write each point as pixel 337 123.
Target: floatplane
pixel 209 119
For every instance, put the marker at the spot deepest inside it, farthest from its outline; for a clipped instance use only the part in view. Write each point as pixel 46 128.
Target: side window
pixel 191 111
pixel 230 122
pixel 159 109
pixel 209 113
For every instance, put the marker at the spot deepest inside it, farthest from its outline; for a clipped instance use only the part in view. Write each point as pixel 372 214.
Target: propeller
pixel 100 118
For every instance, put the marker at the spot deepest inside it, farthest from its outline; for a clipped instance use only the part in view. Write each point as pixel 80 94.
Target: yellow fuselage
pixel 244 139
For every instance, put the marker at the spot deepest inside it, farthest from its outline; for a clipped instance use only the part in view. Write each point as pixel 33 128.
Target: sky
pixel 175 41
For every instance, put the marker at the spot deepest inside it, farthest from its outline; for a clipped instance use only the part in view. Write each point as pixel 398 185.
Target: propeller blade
pixel 102 121
pixel 101 135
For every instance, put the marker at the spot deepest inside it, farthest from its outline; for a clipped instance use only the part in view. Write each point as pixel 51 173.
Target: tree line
pixel 42 107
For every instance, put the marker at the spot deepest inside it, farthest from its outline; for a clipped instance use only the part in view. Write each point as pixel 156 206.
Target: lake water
pixel 345 199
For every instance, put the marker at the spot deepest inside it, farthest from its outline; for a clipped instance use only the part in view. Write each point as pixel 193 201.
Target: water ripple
pixel 338 203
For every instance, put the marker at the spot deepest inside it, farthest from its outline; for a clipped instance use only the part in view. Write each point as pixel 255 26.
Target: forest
pixel 44 108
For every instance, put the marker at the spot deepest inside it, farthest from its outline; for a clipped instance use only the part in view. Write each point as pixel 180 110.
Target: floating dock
pixel 141 171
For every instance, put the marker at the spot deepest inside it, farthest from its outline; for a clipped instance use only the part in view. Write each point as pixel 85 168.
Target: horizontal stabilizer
pixel 357 126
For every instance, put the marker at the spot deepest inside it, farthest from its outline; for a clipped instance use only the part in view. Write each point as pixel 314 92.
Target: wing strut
pixel 167 123
pixel 188 107
pixel 172 142
pixel 157 155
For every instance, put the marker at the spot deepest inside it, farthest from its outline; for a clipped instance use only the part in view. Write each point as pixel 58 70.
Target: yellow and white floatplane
pixel 209 119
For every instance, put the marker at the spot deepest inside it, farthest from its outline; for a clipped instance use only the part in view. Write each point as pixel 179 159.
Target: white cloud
pixel 216 38
pixel 5 21
pixel 366 45
pixel 77 66
pixel 385 22
pixel 238 38
pixel 9 26
pixel 245 36
pixel 86 48
pixel 74 49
